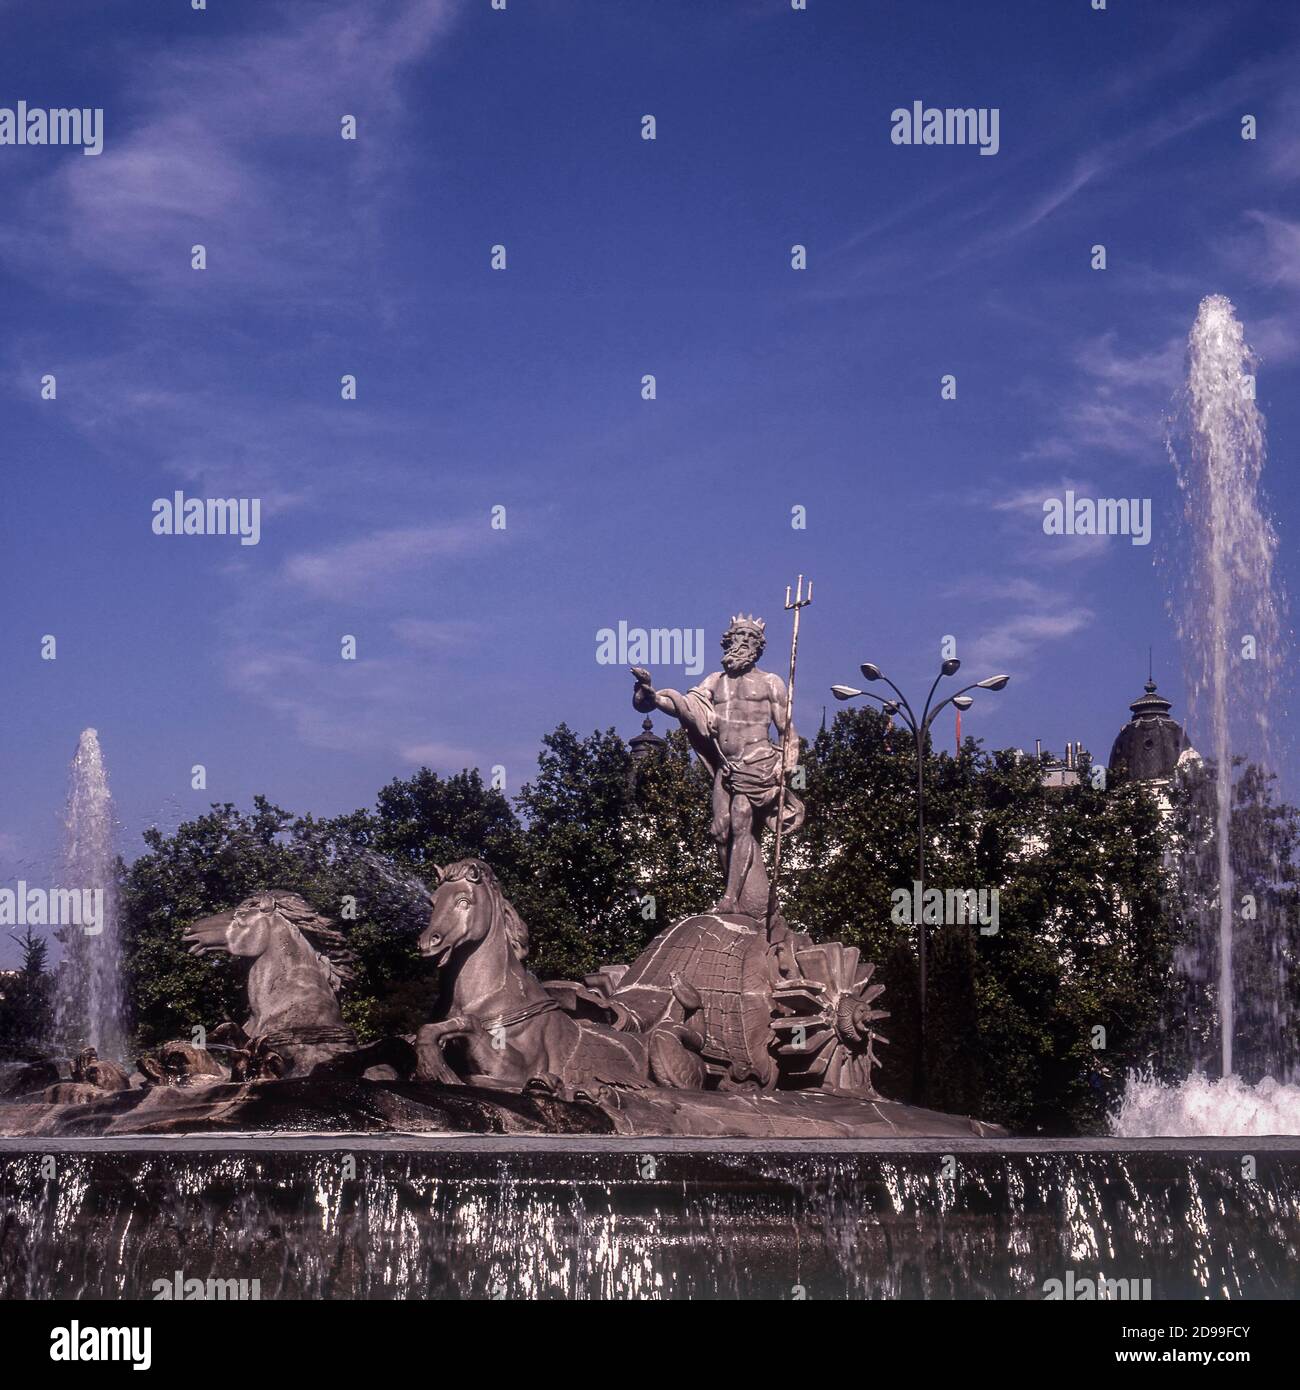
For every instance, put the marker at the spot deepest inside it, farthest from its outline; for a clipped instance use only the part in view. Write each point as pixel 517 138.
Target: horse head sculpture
pixel 468 907
pixel 300 962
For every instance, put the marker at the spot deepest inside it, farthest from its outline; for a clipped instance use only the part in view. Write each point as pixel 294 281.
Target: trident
pixel 800 602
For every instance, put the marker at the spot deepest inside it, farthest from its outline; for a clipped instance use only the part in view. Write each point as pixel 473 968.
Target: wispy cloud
pixel 1031 614
pixel 1170 122
pixel 232 140
pixel 357 567
pixel 438 755
pixel 1028 187
pixel 1020 507
pixel 1275 259
pixel 430 634
pixel 195 152
pixel 281 645
pixel 1019 638
pixel 384 705
pixel 1116 403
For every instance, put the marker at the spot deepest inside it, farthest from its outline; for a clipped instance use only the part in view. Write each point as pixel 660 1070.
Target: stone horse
pixel 508 1030
pixel 299 964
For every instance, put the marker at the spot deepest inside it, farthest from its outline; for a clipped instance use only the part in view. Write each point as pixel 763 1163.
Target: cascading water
pixel 407 1217
pixel 89 1007
pixel 1235 958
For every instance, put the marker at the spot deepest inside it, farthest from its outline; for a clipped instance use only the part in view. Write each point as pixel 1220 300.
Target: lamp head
pixel 844 692
pixel 994 682
pixel 951 666
pixel 962 701
pixel 869 671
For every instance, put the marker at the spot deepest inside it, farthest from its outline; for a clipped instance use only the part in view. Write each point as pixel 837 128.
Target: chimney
pixel 1038 748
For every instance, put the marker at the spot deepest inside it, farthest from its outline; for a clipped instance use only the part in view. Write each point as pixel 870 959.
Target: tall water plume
pixel 89 1007
pixel 1240 938
pixel 1231 628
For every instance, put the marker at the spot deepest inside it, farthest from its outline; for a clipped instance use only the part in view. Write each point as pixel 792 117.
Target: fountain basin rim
pixel 496 1145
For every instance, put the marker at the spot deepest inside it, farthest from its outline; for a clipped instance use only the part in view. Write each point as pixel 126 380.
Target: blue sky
pixel 522 388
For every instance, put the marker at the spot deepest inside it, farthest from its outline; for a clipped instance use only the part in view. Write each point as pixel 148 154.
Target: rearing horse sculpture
pixel 508 1030
pixel 299 965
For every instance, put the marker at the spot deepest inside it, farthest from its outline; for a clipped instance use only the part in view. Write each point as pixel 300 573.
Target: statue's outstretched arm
pixel 645 698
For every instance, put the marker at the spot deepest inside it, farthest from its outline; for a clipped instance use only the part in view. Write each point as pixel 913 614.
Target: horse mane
pixel 319 932
pixel 477 871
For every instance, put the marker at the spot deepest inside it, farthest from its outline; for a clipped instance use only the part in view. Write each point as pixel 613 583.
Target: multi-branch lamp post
pixel 919 727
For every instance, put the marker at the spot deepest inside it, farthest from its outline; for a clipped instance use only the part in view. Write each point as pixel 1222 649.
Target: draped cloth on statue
pixel 757 776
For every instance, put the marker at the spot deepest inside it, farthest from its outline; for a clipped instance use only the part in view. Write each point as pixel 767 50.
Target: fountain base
pixel 602 1217
pixel 333 1104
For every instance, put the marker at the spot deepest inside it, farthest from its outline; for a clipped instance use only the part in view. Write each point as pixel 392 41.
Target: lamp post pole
pixel 920 728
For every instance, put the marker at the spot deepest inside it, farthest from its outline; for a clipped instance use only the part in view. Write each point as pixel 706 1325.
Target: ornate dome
pixel 646 742
pixel 1149 745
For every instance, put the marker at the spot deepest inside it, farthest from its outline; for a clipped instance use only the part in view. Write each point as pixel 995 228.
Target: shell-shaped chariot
pixel 815 1029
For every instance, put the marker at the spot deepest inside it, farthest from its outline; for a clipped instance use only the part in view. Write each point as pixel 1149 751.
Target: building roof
pixel 647 741
pixel 1148 747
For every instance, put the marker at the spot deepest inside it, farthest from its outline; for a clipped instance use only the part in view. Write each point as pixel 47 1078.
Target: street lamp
pixel 919 727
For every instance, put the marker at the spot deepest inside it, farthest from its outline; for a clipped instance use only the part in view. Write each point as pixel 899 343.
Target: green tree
pixel 613 850
pixel 26 1005
pixel 580 893
pixel 665 832
pixel 428 820
pixel 1081 941
pixel 1262 836
pixel 857 844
